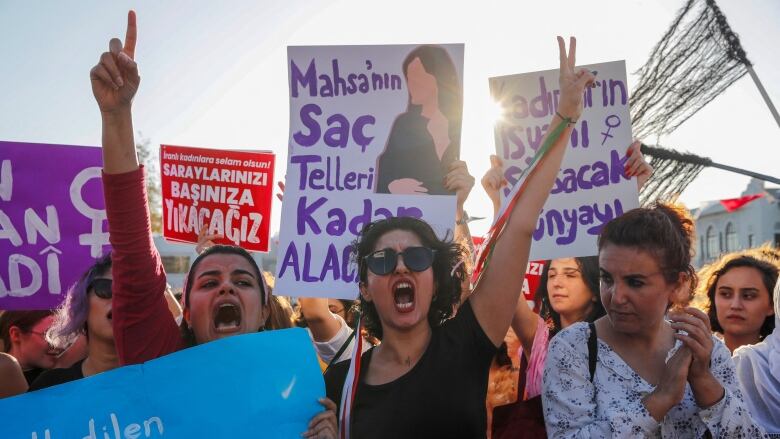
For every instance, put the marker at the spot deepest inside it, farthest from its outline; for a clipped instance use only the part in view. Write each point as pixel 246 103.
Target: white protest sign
pixel 373 130
pixel 591 188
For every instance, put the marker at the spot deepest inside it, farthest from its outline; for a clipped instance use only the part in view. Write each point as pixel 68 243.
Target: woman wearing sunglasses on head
pixel 86 310
pixel 429 375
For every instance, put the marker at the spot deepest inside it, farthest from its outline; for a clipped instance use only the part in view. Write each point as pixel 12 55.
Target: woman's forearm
pixel 119 155
pixel 495 298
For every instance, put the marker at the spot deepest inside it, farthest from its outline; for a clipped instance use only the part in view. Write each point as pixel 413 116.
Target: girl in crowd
pixel 225 291
pixel 24 338
pixel 758 371
pixel 649 377
pixel 429 375
pixel 738 287
pixel 86 310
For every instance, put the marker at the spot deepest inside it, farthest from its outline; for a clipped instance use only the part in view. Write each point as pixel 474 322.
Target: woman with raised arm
pixel 632 373
pixel 331 331
pixel 428 377
pixel 569 288
pixel 225 291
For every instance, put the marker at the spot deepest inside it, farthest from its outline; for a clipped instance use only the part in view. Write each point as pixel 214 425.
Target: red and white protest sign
pixel 533 274
pixel 533 277
pixel 227 191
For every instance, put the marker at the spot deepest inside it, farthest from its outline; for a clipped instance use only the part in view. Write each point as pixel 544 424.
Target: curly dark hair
pixel 664 230
pixel 447 282
pixel 589 269
pixel 757 259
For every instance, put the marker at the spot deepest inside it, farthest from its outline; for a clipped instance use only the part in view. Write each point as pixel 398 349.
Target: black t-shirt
pixel 54 377
pixel 411 153
pixel 442 396
pixel 32 374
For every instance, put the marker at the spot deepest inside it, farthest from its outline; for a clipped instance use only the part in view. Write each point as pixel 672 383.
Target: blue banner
pixel 255 385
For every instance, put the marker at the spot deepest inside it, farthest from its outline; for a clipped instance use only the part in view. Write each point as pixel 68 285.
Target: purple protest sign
pixel 52 221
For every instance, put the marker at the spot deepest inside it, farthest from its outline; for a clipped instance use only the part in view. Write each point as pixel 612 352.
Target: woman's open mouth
pixel 403 296
pixel 227 318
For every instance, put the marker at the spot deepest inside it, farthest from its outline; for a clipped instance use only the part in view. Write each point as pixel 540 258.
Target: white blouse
pixel 328 349
pixel 611 406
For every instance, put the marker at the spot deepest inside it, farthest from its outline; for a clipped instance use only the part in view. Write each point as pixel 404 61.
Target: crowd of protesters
pixel 612 349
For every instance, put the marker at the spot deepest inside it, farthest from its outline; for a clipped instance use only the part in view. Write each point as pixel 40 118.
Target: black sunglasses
pixel 382 262
pixel 101 288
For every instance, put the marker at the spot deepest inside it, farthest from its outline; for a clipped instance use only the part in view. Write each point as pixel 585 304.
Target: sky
pixel 214 73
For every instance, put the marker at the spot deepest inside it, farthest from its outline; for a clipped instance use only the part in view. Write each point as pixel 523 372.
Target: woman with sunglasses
pixel 86 310
pixel 429 375
pixel 23 334
pixel 224 293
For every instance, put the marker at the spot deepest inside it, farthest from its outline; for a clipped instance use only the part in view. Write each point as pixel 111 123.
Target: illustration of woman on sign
pixel 425 139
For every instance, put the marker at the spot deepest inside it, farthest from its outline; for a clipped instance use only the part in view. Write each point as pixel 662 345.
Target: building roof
pixel 715 207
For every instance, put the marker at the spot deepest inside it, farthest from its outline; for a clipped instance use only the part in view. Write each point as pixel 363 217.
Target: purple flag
pixel 52 221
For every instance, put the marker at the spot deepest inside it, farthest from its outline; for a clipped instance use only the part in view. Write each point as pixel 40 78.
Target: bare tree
pixel 151 161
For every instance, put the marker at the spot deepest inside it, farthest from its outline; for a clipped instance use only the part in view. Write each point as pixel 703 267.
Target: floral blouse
pixel 611 406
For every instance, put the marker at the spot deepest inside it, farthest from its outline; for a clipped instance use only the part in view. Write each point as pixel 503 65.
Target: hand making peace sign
pixel 572 81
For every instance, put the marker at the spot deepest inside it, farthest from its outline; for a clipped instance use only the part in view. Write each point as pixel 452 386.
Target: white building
pixel 755 223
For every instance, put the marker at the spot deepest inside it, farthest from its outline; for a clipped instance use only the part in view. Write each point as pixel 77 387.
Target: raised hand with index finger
pixel 115 77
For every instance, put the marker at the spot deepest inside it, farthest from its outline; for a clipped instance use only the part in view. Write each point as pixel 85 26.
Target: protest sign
pixel 533 277
pixel 591 188
pixel 52 221
pixel 255 385
pixel 227 191
pixel 373 131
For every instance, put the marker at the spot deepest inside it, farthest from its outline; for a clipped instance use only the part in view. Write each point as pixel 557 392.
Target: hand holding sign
pixel 115 78
pixel 494 180
pixel 636 165
pixel 206 240
pixel 459 181
pixel 572 82
pixel 324 425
